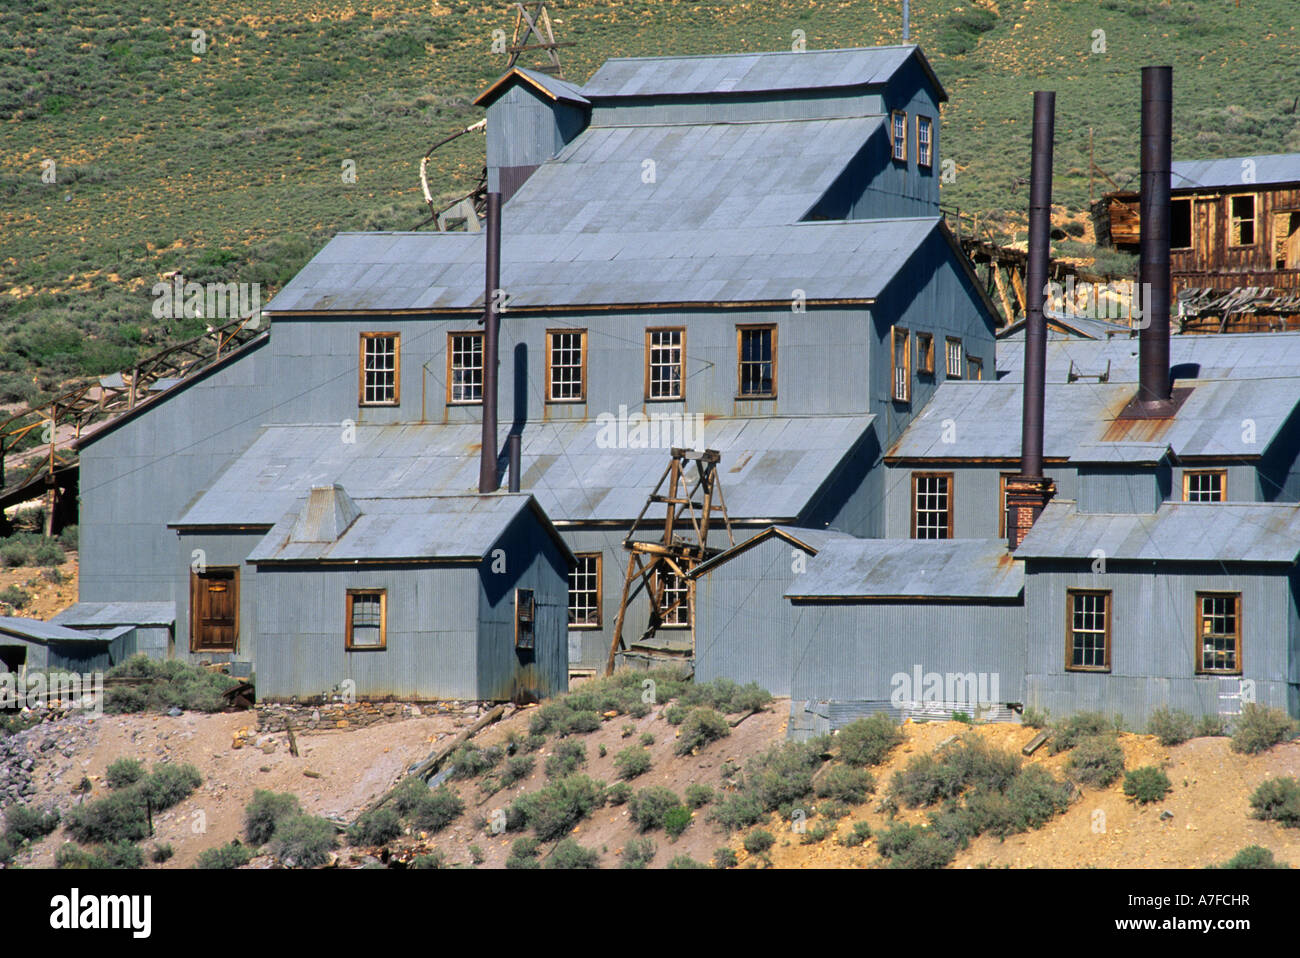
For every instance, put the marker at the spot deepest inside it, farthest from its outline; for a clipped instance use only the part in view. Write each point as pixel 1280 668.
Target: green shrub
pixel 1277 800
pixel 697 796
pixel 533 742
pixel 725 695
pixel 581 723
pixel 552 812
pixel 860 832
pixel 161 853
pixel 1253 856
pixel 119 816
pixel 28 824
pixel 724 857
pixel 631 762
pixel 14 554
pixel 14 596
pixel 1034 717
pixel 523 854
pixel 265 811
pixel 1259 728
pixel 1170 726
pixel 846 784
pixel 114 856
pixel 618 793
pixel 833 809
pixel 702 726
pixel 7 849
pixel 69 538
pixel 1070 731
pixel 436 809
pixel 639 852
pixel 123 772
pixel 649 807
pixel 1096 760
pixel 759 841
pixel 47 554
pixel 913 846
pixel 167 684
pixel 738 811
pixel 569 854
pixel 434 859
pixel 170 784
pixel 676 821
pixel 647 739
pixel 818 833
pixel 969 763
pixel 566 759
pixel 303 841
pixel 675 714
pixel 516 769
pixel 1211 726
pixel 229 856
pixel 1036 797
pixel 783 774
pixel 377 827
pixel 476 855
pixel 685 861
pixel 1146 784
pixel 470 761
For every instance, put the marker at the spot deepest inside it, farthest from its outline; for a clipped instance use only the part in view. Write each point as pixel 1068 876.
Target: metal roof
pixel 811 539
pixel 766 72
pixel 1244 172
pixel 552 87
pixel 1065 326
pixel 1187 531
pixel 1125 453
pixel 118 613
pixel 829 260
pixel 905 568
pixel 423 527
pixel 771 468
pixel 34 630
pixel 987 419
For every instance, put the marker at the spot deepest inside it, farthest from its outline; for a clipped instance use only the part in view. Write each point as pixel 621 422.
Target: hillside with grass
pixel 138 139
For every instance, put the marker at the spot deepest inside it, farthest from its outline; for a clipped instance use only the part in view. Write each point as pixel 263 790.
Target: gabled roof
pixel 1243 172
pixel 768 72
pixel 552 88
pixel 809 540
pixel 1178 531
pixel 118 613
pixel 1066 326
pixel 910 568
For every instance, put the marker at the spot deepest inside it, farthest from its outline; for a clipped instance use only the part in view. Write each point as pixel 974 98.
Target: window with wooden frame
pixel 974 368
pixel 756 362
pixel 464 368
pixel 674 600
pixel 665 363
pixel 381 374
pixel 585 591
pixel 952 357
pixel 898 134
pixel 566 365
pixel 367 620
pixel 1205 485
pixel 1180 224
pixel 525 619
pixel 1087 630
pixel 932 505
pixel 1002 502
pixel 925 353
pixel 214 609
pixel 900 364
pixel 1218 630
pixel 1241 220
pixel 924 141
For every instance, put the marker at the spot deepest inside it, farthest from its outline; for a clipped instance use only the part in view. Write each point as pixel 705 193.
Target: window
pixel 566 365
pixel 1088 631
pixel 214 610
pixel 932 505
pixel 464 368
pixel 952 352
pixel 756 352
pixel 1180 224
pixel 974 368
pixel 665 368
pixel 1218 626
pixel 900 365
pixel 898 134
pixel 380 375
pixel 1210 485
pixel 1241 217
pixel 924 141
pixel 674 600
pixel 367 617
pixel 525 614
pixel 1002 499
pixel 584 591
pixel 925 353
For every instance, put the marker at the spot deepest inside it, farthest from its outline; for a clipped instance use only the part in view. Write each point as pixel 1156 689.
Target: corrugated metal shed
pixel 1230 171
pixel 1082 414
pixel 771 468
pixel 766 72
pixel 1179 531
pixel 118 613
pixel 907 568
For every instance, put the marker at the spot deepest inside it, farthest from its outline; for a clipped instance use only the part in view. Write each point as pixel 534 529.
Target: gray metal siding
pixel 215 550
pixel 1137 490
pixel 977 497
pixel 735 109
pixel 525 129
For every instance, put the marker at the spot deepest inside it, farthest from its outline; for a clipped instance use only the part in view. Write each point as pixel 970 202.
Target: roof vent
pixel 327 515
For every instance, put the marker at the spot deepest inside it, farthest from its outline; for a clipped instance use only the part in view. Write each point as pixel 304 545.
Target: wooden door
pixel 1286 239
pixel 1205 234
pixel 214 610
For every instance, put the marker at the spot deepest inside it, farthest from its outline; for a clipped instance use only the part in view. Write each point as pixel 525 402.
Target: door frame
pixel 196 578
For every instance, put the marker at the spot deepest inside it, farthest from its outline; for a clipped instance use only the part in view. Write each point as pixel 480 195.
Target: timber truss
pixel 660 567
pixel 532 20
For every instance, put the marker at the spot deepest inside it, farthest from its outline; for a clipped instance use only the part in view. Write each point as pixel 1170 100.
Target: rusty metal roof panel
pixel 906 568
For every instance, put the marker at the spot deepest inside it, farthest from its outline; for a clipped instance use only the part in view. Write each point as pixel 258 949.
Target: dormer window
pixel 898 134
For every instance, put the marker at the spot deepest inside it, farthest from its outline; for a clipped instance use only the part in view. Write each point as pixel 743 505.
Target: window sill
pixel 574 627
pixel 1082 668
pixel 467 402
pixel 567 402
pixel 765 397
pixel 372 405
pixel 664 399
pixel 365 648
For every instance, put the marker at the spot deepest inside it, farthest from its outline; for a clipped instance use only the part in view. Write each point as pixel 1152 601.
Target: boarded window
pixel 925 353
pixel 566 365
pixel 924 141
pixel 953 358
pixel 1207 485
pixel 665 372
pixel 464 368
pixel 1218 626
pixel 900 365
pixel 584 591
pixel 898 134
pixel 932 505
pixel 1088 632
pixel 674 599
pixel 379 369
pixel 1180 224
pixel 974 368
pixel 1241 220
pixel 214 610
pixel 525 615
pixel 756 352
pixel 367 618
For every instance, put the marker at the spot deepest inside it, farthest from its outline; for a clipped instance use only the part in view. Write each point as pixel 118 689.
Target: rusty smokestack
pixel 488 478
pixel 1154 392
pixel 1040 253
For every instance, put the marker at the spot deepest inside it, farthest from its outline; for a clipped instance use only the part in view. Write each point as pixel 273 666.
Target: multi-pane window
pixel 931 505
pixel 665 373
pixel 525 616
pixel 925 353
pixel 674 599
pixel 367 618
pixel 924 141
pixel 465 368
pixel 756 352
pixel 379 369
pixel 953 358
pixel 1218 627
pixel 974 368
pixel 898 134
pixel 1241 220
pixel 1089 630
pixel 1208 485
pixel 900 365
pixel 566 365
pixel 584 591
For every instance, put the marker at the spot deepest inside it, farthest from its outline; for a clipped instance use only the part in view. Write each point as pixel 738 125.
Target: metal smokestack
pixel 1154 392
pixel 1040 239
pixel 488 479
pixel 512 447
